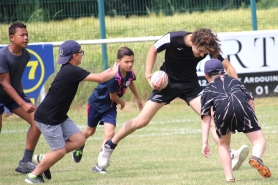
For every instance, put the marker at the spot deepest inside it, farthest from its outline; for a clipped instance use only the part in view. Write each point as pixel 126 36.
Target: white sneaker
pixel 238 156
pixel 104 156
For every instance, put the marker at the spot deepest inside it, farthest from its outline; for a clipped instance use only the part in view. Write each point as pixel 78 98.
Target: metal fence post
pixel 254 15
pixel 101 15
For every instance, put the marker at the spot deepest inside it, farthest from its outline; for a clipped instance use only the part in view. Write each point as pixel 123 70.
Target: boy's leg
pixel 238 156
pixel 224 152
pixel 78 153
pixel 93 118
pixel 109 130
pixel 146 114
pixel 258 142
pixel 26 165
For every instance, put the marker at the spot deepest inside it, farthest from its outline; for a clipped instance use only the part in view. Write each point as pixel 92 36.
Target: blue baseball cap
pixel 67 49
pixel 213 67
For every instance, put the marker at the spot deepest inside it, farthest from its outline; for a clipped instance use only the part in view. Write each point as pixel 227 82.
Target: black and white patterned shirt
pixel 229 99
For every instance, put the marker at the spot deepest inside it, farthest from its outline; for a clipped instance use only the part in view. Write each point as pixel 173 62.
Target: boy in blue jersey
pixel 104 99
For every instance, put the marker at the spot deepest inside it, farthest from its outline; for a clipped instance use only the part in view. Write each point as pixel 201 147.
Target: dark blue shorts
pixel 11 104
pixel 94 117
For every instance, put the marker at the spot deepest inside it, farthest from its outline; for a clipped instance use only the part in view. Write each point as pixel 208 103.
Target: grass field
pixel 167 151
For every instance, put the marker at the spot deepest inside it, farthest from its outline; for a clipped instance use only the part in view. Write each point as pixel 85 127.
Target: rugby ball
pixel 159 80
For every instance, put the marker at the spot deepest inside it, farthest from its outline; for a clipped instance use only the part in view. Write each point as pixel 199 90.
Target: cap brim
pixel 63 60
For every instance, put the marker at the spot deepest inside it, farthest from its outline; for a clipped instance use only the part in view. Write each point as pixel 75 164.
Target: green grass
pixel 167 151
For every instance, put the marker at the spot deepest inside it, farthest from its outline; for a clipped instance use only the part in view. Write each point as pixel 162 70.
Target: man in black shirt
pixel 183 52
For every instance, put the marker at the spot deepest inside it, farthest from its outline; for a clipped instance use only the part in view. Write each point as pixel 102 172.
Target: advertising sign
pixel 254 55
pixel 38 69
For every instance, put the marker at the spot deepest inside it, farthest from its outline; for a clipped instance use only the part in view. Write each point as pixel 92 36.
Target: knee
pixel 89 131
pixel 109 135
pixel 140 123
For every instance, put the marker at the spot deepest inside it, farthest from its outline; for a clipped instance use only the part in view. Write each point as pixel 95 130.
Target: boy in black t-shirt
pixel 233 109
pixel 51 117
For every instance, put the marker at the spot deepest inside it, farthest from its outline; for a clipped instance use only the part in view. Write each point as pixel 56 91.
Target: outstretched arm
pixel 104 76
pixel 134 92
pixel 229 68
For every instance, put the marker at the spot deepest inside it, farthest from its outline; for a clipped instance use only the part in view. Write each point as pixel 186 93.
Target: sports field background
pixel 167 151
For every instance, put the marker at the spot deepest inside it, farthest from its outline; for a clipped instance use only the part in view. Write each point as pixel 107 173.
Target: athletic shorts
pixel 95 117
pixel 57 135
pixel 174 90
pixel 11 104
pixel 230 120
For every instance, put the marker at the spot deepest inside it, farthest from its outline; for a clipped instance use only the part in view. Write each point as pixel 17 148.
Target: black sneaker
pixel 77 155
pixel 27 167
pixel 34 179
pixel 37 160
pixel 98 169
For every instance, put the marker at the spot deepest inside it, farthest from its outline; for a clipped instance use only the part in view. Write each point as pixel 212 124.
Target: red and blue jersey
pixel 100 98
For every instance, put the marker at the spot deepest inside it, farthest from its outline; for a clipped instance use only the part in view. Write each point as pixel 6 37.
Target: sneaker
pixel 98 169
pixel 27 167
pixel 231 180
pixel 259 165
pixel 77 155
pixel 34 179
pixel 238 156
pixel 37 160
pixel 104 156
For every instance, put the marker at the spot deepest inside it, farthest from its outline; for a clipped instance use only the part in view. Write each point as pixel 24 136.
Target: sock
pixel 111 144
pixel 27 156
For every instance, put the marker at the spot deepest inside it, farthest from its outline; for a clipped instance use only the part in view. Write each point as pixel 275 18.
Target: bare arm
pixel 229 68
pixel 135 93
pixel 5 82
pixel 104 76
pixel 151 57
pixel 114 97
pixel 205 134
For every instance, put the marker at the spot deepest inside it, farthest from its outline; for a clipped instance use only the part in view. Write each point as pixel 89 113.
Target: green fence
pixel 59 20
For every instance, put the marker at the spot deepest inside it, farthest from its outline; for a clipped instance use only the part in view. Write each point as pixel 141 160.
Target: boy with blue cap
pixel 51 117
pixel 233 109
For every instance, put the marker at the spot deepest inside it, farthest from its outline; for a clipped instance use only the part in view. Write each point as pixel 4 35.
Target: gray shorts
pixel 57 135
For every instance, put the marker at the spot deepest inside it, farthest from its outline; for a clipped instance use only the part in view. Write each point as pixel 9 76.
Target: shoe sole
pixel 23 171
pixel 261 168
pixel 96 171
pixel 241 158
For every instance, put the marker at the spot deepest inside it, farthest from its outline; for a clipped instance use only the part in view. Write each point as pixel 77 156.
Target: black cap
pixel 213 67
pixel 67 49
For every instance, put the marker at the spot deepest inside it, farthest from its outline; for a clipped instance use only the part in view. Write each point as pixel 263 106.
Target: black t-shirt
pixel 53 109
pixel 180 63
pixel 229 99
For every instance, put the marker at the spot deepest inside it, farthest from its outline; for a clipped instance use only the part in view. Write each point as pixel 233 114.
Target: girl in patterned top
pixel 233 109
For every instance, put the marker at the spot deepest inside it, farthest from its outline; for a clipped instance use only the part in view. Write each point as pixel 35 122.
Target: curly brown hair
pixel 205 37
